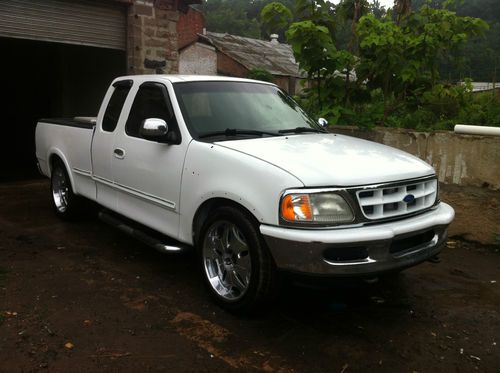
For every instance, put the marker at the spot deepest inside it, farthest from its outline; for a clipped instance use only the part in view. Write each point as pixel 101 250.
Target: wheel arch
pixel 54 156
pixel 211 204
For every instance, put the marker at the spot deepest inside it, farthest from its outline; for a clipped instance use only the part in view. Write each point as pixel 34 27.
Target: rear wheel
pixel 237 266
pixel 66 204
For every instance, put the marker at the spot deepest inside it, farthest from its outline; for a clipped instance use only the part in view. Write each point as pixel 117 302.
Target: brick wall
pixel 190 24
pixel 283 82
pixel 152 37
pixel 228 66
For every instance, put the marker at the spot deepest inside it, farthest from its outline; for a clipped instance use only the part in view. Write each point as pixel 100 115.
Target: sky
pixel 386 3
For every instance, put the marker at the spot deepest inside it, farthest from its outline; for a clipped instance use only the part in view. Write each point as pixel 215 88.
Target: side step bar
pixel 158 242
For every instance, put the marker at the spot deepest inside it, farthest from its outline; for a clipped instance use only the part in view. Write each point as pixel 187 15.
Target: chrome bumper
pixel 364 250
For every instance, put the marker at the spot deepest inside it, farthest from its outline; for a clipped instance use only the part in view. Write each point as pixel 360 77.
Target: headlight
pixel 320 208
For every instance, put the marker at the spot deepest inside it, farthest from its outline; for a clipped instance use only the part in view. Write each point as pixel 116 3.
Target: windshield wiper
pixel 235 132
pixel 301 130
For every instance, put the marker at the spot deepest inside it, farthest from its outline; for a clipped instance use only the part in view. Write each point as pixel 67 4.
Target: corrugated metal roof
pixel 274 57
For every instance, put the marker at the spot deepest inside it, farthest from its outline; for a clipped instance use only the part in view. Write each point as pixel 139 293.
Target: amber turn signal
pixel 296 207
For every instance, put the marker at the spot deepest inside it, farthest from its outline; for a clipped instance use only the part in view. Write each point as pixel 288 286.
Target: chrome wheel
pixel 226 259
pixel 60 189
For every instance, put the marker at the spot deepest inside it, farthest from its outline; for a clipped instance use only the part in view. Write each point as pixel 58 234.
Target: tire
pixel 237 267
pixel 67 205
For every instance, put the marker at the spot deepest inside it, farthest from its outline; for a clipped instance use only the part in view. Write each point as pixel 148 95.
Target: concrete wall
pixel 458 159
pixel 198 59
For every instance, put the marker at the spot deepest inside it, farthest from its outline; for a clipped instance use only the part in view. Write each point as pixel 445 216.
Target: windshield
pixel 239 108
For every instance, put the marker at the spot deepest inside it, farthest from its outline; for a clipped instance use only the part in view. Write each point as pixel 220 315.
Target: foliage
pixel 479 59
pixel 260 74
pixel 230 16
pixel 482 55
pixel 403 59
pixel 483 109
pixel 238 17
pixel 276 16
pixel 392 71
pixel 368 65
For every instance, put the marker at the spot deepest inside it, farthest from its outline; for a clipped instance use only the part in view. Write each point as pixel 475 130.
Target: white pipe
pixel 477 130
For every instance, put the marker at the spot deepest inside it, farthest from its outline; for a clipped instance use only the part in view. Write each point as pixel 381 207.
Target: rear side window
pixel 115 106
pixel 151 101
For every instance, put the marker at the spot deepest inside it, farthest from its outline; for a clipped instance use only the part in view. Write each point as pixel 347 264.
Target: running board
pixel 162 244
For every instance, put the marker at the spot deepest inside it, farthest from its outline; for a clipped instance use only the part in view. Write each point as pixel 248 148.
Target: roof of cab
pixel 187 78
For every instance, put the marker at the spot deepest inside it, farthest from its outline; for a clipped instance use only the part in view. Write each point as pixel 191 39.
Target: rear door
pixel 147 174
pixel 102 144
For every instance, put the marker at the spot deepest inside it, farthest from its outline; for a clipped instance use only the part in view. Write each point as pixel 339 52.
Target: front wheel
pixel 237 266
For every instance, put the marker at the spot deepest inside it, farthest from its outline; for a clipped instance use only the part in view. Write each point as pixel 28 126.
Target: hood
pixel 333 160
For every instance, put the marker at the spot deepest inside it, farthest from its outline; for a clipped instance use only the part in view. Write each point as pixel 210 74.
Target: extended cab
pixel 236 169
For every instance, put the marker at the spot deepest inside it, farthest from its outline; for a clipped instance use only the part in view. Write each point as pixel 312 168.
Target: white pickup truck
pixel 236 169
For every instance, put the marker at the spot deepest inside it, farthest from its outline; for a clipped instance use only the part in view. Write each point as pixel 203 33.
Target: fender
pixel 213 171
pixel 56 151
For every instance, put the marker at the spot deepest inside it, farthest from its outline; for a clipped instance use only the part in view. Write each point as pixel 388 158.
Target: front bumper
pixel 363 250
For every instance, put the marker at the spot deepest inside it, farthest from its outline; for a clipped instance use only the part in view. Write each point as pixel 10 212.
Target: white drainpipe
pixel 477 130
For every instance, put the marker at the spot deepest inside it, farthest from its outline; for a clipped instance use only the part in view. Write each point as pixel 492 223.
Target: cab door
pixel 147 173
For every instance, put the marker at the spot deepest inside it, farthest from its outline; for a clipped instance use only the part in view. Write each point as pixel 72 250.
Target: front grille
pixel 389 201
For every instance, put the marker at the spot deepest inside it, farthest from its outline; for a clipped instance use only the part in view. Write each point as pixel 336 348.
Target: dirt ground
pixel 84 298
pixel 477 213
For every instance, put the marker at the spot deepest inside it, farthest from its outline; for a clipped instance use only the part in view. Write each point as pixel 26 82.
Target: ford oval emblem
pixel 409 198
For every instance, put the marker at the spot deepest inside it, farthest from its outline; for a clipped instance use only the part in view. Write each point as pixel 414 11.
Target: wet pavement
pixel 85 297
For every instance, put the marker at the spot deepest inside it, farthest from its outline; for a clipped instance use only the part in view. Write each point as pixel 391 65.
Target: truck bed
pixel 70 139
pixel 79 122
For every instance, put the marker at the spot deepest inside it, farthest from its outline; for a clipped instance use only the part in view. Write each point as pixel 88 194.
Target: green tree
pixel 238 17
pixel 403 59
pixel 275 17
pixel 312 38
pixel 478 57
pixel 368 65
pixel 402 9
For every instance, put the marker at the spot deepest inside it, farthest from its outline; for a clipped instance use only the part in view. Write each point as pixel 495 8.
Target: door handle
pixel 119 153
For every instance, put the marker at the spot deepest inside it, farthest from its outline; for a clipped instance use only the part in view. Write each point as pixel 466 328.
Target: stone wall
pixel 152 37
pixel 458 159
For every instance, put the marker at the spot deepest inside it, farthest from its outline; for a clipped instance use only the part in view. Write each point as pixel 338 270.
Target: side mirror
pixel 322 122
pixel 153 129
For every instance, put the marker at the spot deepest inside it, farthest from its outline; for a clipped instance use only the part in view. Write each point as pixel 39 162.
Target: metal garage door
pixel 85 22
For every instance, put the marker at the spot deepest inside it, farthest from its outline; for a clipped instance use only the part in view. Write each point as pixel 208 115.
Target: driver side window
pixel 151 101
